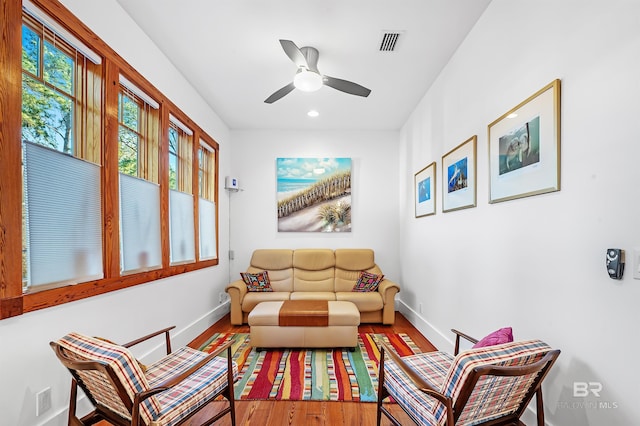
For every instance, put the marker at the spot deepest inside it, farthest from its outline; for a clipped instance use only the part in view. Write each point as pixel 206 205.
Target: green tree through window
pixel 47 92
pixel 173 157
pixel 128 134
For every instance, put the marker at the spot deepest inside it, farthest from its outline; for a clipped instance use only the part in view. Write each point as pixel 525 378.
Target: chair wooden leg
pixel 73 420
pixel 540 407
pixel 230 384
pixel 381 390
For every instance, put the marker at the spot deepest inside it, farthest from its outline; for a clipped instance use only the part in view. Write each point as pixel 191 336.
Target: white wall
pixel 374 157
pixel 537 264
pixel 189 301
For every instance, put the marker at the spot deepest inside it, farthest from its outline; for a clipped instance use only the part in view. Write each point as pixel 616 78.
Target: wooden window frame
pixel 13 301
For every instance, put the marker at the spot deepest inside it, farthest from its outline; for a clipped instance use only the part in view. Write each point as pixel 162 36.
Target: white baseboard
pixel 187 334
pixel 437 338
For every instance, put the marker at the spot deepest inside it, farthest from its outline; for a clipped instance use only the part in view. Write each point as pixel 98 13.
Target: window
pixel 62 239
pixel 181 205
pixel 206 202
pixel 138 134
pixel 99 209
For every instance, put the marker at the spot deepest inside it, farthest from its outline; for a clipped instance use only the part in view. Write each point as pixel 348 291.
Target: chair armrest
pixel 421 384
pixel 460 334
pixel 149 336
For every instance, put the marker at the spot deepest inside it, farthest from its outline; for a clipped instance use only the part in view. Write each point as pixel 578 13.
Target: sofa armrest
pixel 236 290
pixel 388 290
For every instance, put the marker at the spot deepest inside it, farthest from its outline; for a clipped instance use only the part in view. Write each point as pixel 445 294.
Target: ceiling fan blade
pixel 311 58
pixel 346 86
pixel 280 93
pixel 294 53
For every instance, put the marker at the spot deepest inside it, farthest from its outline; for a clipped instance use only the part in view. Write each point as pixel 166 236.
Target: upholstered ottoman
pixel 304 324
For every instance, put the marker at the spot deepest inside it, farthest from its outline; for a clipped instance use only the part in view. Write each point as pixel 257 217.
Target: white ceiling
pixel 229 51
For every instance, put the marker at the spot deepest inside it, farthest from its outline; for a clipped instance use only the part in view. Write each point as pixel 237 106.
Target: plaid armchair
pixel 484 386
pixel 124 392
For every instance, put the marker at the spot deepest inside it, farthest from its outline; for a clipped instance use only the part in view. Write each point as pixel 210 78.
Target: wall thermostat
pixel 231 182
pixel 615 263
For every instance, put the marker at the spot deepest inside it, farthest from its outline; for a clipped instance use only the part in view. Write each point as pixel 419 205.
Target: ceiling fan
pixel 308 78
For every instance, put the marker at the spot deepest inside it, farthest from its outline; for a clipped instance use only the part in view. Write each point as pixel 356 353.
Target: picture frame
pixel 459 187
pixel 313 194
pixel 425 191
pixel 524 147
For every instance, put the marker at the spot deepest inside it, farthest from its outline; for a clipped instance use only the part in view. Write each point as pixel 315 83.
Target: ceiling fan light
pixel 307 81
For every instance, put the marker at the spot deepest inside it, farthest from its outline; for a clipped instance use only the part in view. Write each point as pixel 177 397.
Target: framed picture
pixel 524 147
pixel 313 194
pixel 459 176
pixel 425 191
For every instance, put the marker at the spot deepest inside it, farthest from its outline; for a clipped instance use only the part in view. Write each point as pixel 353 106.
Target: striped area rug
pixel 312 374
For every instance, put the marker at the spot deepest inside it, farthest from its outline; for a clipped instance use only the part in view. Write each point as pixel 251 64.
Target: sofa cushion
pixel 272 259
pixel 349 263
pixel 354 259
pixel 367 282
pixel 257 282
pixel 250 300
pixel 313 295
pixel 278 263
pixel 313 270
pixel 366 302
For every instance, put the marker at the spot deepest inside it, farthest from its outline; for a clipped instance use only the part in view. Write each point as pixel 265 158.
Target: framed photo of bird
pixel 459 176
pixel 524 147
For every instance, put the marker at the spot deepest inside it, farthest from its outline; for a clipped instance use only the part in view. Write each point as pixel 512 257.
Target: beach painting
pixel 314 194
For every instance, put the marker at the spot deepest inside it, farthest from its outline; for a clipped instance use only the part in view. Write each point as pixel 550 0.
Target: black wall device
pixel 615 263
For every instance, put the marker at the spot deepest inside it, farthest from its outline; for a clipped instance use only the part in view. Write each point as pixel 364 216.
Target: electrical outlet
pixel 419 308
pixel 220 297
pixel 43 401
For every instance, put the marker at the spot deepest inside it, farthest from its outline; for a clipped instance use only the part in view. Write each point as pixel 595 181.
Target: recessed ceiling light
pixel 512 115
pixel 313 113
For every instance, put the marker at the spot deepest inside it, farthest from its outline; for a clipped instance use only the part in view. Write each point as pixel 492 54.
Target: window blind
pixel 207 226
pixel 138 92
pixel 63 217
pixel 139 224
pixel 180 125
pixel 181 227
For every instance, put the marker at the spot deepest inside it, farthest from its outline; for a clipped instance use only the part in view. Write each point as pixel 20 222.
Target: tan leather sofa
pixel 315 274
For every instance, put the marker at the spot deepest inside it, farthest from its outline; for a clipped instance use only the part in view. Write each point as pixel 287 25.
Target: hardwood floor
pixel 308 413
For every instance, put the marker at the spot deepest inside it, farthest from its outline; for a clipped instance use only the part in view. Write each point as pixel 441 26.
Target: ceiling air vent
pixel 389 41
